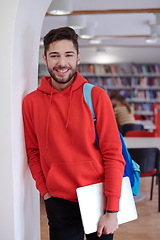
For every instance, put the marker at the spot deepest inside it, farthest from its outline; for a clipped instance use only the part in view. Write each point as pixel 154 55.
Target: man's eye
pixel 53 56
pixel 69 55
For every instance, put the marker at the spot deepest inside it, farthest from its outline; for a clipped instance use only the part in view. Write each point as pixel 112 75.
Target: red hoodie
pixel 60 141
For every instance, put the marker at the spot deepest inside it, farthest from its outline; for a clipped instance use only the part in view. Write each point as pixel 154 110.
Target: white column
pixel 21 22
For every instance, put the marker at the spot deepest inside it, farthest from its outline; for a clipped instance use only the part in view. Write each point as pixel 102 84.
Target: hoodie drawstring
pixel 47 125
pixel 68 114
pixel 69 108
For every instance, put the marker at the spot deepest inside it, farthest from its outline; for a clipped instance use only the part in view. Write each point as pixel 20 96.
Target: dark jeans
pixel 65 221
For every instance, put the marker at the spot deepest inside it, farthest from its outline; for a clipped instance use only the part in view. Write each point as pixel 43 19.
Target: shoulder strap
pixel 87 88
pixel 131 168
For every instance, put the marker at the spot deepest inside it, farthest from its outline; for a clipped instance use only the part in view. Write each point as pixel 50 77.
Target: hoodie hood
pixel 46 88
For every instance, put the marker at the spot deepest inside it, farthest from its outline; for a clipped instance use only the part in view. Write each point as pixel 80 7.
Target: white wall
pixel 19 201
pixel 6 174
pixel 121 54
pixel 117 55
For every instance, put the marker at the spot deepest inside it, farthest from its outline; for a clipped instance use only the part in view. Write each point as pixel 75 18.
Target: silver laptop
pixel 92 201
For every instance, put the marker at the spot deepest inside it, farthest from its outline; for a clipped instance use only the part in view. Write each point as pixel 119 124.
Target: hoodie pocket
pixel 64 178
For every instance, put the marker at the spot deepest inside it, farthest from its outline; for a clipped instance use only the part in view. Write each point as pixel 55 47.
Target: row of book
pixel 110 82
pixel 86 68
pixel 145 94
pixel 145 81
pixel 115 69
pixel 102 69
pixel 140 104
pixel 137 95
pixel 125 82
pixel 146 68
pixel 147 107
pixel 125 93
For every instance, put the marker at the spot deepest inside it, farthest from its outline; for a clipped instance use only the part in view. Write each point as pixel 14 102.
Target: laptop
pixel 92 201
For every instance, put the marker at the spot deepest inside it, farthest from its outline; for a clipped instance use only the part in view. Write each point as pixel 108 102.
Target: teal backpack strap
pixel 132 169
pixel 87 88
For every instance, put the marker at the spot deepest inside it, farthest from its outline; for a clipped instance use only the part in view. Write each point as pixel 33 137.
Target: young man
pixel 60 141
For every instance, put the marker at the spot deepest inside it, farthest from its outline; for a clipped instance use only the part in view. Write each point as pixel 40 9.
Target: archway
pixel 21 21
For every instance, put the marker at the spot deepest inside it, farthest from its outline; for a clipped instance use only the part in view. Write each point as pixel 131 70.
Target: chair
pixel 156 118
pixel 138 117
pixel 130 127
pixel 139 133
pixel 149 162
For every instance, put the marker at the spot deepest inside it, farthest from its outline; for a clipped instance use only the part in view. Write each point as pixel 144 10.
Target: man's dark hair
pixel 63 33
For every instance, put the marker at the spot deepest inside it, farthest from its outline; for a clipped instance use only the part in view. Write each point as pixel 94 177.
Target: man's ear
pixel 44 59
pixel 78 58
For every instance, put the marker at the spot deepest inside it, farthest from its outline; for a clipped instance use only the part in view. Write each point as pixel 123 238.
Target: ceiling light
pixel 151 39
pixel 60 7
pixel 87 32
pixel 95 41
pixel 76 21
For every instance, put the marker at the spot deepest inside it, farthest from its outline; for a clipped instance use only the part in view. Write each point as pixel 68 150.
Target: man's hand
pixel 108 223
pixel 46 196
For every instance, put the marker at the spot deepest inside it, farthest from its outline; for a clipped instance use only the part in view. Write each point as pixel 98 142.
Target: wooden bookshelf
pixel 139 83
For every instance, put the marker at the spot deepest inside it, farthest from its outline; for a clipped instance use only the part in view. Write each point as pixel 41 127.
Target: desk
pixel 147 124
pixel 135 142
pixel 141 142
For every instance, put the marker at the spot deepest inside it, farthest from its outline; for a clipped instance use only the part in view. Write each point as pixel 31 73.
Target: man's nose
pixel 62 61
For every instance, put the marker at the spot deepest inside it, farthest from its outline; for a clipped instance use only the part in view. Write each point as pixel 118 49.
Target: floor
pixel 146 227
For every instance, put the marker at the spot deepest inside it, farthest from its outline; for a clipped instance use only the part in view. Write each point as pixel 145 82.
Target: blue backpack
pixel 132 169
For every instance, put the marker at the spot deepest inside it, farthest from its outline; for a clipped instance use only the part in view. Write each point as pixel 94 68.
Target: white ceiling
pixel 124 28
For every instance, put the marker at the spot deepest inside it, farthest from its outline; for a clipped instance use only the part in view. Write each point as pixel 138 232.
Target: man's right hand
pixel 46 196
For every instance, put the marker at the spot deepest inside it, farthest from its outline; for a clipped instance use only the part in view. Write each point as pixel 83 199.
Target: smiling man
pixel 61 144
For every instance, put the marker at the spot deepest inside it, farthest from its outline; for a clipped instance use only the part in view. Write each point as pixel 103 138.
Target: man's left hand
pixel 108 223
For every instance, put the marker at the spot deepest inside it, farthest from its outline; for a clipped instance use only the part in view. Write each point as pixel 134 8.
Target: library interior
pixel 119 44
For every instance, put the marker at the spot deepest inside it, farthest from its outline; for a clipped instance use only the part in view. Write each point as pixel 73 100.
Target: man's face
pixel 61 60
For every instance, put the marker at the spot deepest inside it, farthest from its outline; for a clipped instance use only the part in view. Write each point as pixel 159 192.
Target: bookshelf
pixel 139 83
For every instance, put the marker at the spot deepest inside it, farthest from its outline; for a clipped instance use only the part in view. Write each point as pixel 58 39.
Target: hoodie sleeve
pixel 32 148
pixel 110 147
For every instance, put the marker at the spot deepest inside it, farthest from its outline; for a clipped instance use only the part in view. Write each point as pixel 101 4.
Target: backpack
pixel 132 169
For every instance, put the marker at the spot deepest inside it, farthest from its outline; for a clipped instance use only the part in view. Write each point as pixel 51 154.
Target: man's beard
pixel 58 80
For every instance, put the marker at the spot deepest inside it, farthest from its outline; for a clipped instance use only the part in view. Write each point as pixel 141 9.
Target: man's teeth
pixel 62 71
